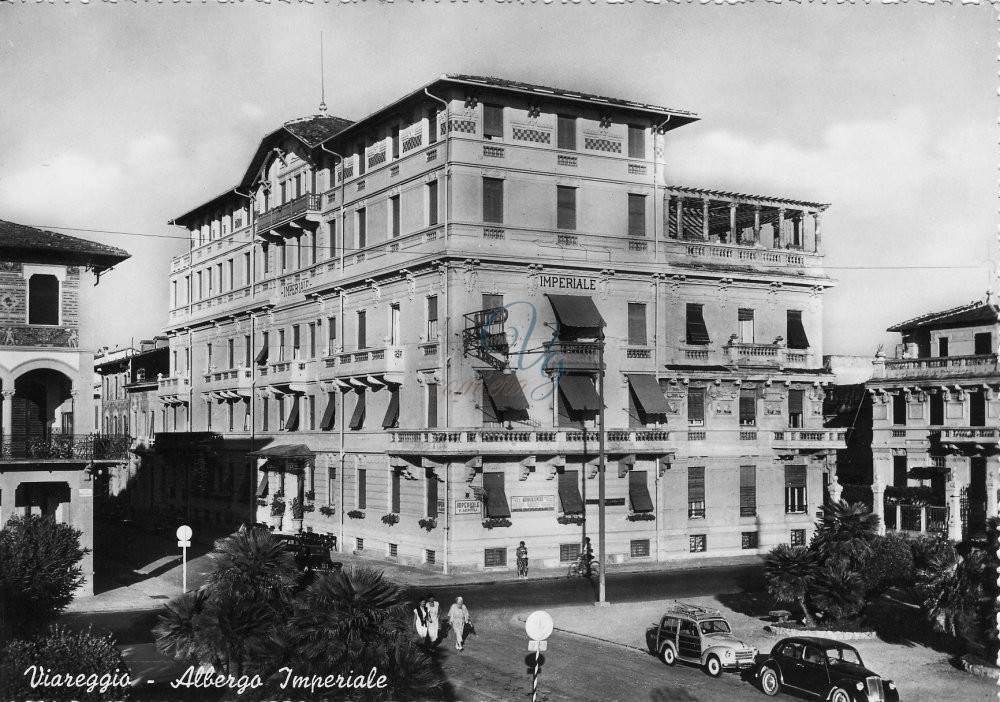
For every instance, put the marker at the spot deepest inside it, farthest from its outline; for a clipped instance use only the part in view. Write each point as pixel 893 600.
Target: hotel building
pixel 391 330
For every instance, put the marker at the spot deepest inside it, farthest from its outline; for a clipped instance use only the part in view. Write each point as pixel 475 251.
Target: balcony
pixel 229 384
pixel 528 441
pixel 573 356
pixel 386 362
pixel 301 213
pixel 939 367
pixel 173 390
pixel 290 374
pixel 970 435
pixel 809 440
pixel 64 447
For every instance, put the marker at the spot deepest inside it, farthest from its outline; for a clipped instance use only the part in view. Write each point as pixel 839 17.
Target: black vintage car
pixel 825 668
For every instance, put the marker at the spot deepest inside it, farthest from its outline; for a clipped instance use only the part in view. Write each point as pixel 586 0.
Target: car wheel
pixel 668 656
pixel 839 695
pixel 770 684
pixel 713 666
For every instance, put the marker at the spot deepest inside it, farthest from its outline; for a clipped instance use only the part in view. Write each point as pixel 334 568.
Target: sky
pixel 119 117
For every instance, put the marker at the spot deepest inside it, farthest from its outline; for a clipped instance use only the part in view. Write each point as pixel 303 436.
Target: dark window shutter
pixel 362 228
pixel 697 332
pixel 696 484
pixel 566 132
pixel 795 476
pixel 795 401
pixel 493 200
pixel 565 207
pixel 362 329
pixel 362 488
pixel 490 414
pixel 636 215
pixel 748 406
pixel 395 215
pixel 493 121
pixel 748 491
pixel 432 494
pixel 636 142
pixel 744 315
pixel 636 324
pixel 394 507
pixel 432 203
pixel 983 343
pixel 696 404
pixel 797 338
pixel 432 405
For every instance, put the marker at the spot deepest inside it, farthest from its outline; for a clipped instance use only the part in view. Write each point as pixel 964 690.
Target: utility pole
pixel 602 561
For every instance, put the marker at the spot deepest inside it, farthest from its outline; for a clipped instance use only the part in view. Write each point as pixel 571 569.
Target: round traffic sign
pixel 538 625
pixel 184 533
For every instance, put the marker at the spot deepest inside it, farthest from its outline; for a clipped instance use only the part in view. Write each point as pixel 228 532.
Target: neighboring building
pixel 49 452
pixel 340 327
pixel 849 406
pixel 936 420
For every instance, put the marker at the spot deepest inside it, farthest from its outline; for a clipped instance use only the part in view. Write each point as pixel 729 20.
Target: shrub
pixel 889 563
pixel 906 495
pixel 838 591
pixel 64 652
pixel 297 511
pixel 277 506
pixel 390 518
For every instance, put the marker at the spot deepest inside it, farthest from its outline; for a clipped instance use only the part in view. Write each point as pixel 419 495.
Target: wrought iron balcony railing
pixel 65 447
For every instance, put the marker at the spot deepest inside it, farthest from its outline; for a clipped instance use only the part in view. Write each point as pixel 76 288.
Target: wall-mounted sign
pixel 532 503
pixel 289 289
pixel 567 282
pixel 468 507
pixel 440 506
pixel 608 501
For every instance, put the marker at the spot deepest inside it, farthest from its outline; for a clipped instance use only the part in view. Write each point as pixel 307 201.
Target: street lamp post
pixel 601 589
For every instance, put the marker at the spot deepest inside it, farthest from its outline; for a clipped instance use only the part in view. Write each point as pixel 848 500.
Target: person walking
pixel 458 618
pixel 522 562
pixel 420 619
pixel 587 554
pixel 433 610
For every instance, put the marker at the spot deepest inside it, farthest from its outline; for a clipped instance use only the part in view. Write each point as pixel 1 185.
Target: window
pixel 495 557
pixel 937 409
pixel 246 268
pixel 943 346
pixel 208 416
pixel 432 131
pixel 697 543
pixel 359 544
pixel 796 333
pixel 394 209
pixel 358 417
pixel 393 550
pixel 362 330
pixel 430 557
pixel 432 318
pixel 231 273
pixel 493 200
pixel 331 335
pixel 795 403
pixel 797 537
pixel 265 410
pixel 795 489
pixel 362 221
pixel 284 260
pixel 749 540
pixel 281 345
pixel 331 237
pixel 899 409
pixel 748 491
pixel 394 134
pixel 232 415
pixel 639 548
pixel 208 358
pixel 566 132
pixel 394 484
pixel 565 207
pixel 636 215
pixel 636 141
pixel 748 407
pixel 568 553
pixel 432 405
pixel 230 353
pixel 696 492
pixel 261 358
pixel 173 293
pixel 492 122
pixel 696 407
pixel 492 301
pixel 296 342
pixel 362 488
pixel 43 299
pixel 362 157
pixel 312 412
pixel 983 343
pixel 312 339
pixel 431 508
pixel 697 332
pixel 394 338
pixel 636 324
pixel 899 471
pixel 432 203
pixel 745 318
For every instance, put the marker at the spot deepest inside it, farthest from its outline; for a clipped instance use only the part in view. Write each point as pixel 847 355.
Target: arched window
pixel 43 299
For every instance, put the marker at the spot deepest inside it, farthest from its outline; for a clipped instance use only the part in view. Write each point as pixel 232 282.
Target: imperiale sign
pixel 289 289
pixel 567 282
pixel 532 503
pixel 468 507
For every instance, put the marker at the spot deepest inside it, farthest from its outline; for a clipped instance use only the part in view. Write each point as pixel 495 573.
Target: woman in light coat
pixel 458 617
pixel 433 610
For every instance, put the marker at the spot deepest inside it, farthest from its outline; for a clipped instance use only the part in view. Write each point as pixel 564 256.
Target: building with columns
pixel 936 422
pixel 49 451
pixel 392 330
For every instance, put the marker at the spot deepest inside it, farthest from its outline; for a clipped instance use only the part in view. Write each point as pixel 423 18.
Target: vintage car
pixel 825 668
pixel 698 635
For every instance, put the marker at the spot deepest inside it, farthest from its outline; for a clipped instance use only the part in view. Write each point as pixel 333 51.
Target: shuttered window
pixel 432 203
pixel 748 491
pixel 362 488
pixel 636 141
pixel 394 204
pixel 432 494
pixel 696 492
pixel 748 406
pixel 795 402
pixel 696 407
pixel 394 492
pixel 362 227
pixel 983 343
pixel 565 207
pixel 697 332
pixel 566 132
pixel 493 121
pixel 899 409
pixel 493 200
pixel 496 497
pixel 362 329
pixel 636 215
pixel 797 338
pixel 432 405
pixel 745 318
pixel 636 324
pixel 795 489
pixel 432 318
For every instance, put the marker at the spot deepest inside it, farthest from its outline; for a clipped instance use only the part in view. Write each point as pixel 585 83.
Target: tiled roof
pixel 21 242
pixel 977 312
pixel 312 131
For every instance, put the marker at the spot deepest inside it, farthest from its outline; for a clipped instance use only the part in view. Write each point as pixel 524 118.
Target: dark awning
pixel 261 358
pixel 505 390
pixel 392 412
pixel 330 413
pixel 926 472
pixel 797 338
pixel 579 393
pixel 292 423
pixel 795 476
pixel 358 418
pixel 262 486
pixel 576 311
pixel 647 392
pixel 284 451
pixel 638 492
pixel 496 496
pixel 569 492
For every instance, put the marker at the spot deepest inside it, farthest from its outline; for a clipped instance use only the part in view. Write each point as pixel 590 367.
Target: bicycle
pixel 579 568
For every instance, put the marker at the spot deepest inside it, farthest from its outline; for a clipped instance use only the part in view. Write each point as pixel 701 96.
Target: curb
pixel 835 635
pixel 980 670
pixel 521 618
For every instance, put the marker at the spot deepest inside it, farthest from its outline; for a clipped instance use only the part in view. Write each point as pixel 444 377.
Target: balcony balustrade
pixel 806 439
pixel 970 435
pixel 741 353
pixel 64 447
pixel 918 519
pixel 573 356
pixel 937 367
pixel 303 208
pixel 554 440
pixel 383 361
pixel 173 389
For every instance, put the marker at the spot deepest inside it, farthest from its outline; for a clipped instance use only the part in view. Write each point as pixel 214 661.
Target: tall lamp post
pixel 602 586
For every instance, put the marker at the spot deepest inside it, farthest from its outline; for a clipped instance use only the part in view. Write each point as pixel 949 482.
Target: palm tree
pixel 254 565
pixel 838 590
pixel 789 572
pixel 177 632
pixel 951 590
pixel 846 531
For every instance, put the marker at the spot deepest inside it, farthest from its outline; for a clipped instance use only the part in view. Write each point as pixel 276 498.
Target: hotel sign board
pixel 567 282
pixel 294 288
pixel 532 503
pixel 468 507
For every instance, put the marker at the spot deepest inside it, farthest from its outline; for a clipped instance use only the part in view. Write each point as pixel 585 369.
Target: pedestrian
pixel 458 618
pixel 433 610
pixel 522 561
pixel 587 555
pixel 420 619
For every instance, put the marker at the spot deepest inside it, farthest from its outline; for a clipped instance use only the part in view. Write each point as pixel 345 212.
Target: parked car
pixel 825 668
pixel 698 635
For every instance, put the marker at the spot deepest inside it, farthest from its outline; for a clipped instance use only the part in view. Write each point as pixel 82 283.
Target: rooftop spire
pixel 322 79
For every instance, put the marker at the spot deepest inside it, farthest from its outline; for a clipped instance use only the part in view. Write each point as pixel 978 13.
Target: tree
pixel 789 572
pixel 40 571
pixel 889 563
pixel 837 590
pixel 846 531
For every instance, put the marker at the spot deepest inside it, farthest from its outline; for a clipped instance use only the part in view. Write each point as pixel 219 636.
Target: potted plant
pixel 390 518
pixel 356 514
pixel 297 514
pixel 327 510
pixel 493 522
pixel 570 519
pixel 277 511
pixel 641 517
pixel 428 523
